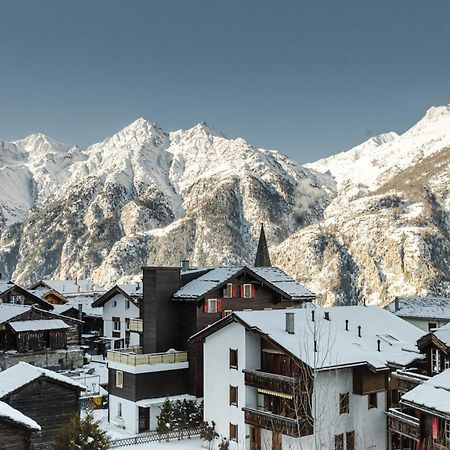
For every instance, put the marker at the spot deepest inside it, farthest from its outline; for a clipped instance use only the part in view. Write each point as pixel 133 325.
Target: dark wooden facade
pixel 19 295
pixel 50 403
pixel 367 382
pixel 14 436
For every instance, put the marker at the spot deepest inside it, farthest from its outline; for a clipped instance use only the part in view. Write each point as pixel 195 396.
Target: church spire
pixel 262 254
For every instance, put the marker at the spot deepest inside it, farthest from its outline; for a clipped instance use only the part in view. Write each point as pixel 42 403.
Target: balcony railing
pixel 403 424
pixel 270 381
pixel 135 357
pixel 273 422
pixel 136 325
pixel 408 380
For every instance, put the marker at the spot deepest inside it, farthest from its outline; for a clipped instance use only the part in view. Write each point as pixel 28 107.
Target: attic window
pixel 228 291
pixel 247 291
pixel 114 303
pixel 127 304
pixel 17 299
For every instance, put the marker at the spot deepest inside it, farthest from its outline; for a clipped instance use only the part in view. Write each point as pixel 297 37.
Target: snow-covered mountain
pixel 386 232
pixel 145 196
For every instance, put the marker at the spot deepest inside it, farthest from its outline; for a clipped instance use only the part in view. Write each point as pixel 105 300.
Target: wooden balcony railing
pixel 273 422
pixel 403 424
pixel 270 381
pixel 135 357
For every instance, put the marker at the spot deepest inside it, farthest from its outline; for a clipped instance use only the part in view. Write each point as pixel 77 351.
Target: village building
pixel 16 429
pixel 14 294
pixel 304 378
pixel 122 326
pixel 47 398
pixel 39 337
pixel 177 303
pixel 426 313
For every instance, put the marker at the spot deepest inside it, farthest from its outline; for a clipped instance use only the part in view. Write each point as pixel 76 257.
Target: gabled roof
pixel 273 277
pixel 8 311
pixel 86 304
pixel 23 373
pixel 440 337
pixel 69 287
pixel 432 395
pixel 132 292
pixel 38 325
pixel 335 347
pixel 12 415
pixel 432 308
pixel 5 287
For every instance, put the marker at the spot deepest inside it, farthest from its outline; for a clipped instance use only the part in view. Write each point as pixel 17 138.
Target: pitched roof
pixel 215 278
pixel 23 373
pixel 132 291
pixel 13 415
pixel 5 286
pixel 334 345
pixel 8 311
pixel 432 394
pixel 443 334
pixel 421 307
pixel 38 325
pixel 69 287
pixel 85 302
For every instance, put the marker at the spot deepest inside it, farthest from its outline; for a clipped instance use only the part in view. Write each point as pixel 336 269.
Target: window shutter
pixel 253 291
pixel 435 427
pixel 234 290
pixel 219 305
pixel 205 306
pixel 242 291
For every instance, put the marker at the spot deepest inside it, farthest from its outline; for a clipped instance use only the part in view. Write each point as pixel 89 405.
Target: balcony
pixel 135 357
pixel 403 424
pixel 273 422
pixel 269 381
pixel 408 380
pixel 136 325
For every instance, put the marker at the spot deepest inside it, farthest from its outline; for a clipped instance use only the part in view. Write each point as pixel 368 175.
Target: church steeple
pixel 262 254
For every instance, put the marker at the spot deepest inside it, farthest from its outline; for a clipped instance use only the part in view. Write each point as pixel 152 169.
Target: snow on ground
pixel 185 444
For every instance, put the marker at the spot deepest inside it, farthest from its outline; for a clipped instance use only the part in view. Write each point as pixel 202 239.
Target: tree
pixel 81 434
pixel 209 433
pixel 165 419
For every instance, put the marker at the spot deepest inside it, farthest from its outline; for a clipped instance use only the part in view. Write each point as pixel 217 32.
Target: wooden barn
pixel 46 397
pixel 16 429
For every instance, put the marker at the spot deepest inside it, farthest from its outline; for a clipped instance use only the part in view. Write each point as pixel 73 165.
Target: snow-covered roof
pixel 145 403
pixel 38 325
pixel 86 303
pixel 336 346
pixel 23 373
pixel 9 310
pixel 421 307
pixel 5 285
pixel 271 275
pixel 443 334
pixel 433 394
pixel 132 290
pixel 13 415
pixel 71 287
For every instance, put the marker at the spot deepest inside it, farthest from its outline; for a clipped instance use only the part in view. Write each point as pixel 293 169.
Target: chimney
pixel 359 330
pixel 327 315
pixel 184 265
pixel 397 303
pixel 379 345
pixel 312 315
pixel 346 325
pixel 290 322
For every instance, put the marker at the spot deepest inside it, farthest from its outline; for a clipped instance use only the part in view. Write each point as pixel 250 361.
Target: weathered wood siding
pixel 49 403
pixel 13 437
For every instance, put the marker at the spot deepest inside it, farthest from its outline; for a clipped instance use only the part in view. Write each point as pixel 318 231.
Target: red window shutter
pixel 205 306
pixel 242 291
pixel 234 290
pixel 253 291
pixel 219 305
pixel 435 426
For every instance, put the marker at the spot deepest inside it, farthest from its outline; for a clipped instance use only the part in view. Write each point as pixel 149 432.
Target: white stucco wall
pixel 423 323
pixel 109 311
pixel 129 420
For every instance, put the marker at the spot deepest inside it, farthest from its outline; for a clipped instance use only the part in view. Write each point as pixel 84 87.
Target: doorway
pixel 144 419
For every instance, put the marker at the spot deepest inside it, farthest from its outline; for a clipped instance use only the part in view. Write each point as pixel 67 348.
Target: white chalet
pixel 304 378
pixel 121 315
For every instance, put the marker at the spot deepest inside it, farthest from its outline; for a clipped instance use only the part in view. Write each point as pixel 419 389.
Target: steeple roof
pixel 262 254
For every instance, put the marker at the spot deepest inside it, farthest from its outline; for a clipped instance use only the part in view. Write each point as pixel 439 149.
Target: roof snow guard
pixel 216 278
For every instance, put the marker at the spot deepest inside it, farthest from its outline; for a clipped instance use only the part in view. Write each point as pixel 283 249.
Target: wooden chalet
pixel 48 398
pixel 436 347
pixel 14 294
pixel 16 429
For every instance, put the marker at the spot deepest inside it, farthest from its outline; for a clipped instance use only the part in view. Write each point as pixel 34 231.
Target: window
pixel 344 403
pixel 431 325
pixel 119 379
pixel 228 291
pixel 127 323
pixel 447 430
pixel 233 395
pixel 233 432
pixel 116 323
pixel 435 360
pixel 233 358
pixel 247 291
pixel 350 440
pixel 114 304
pixel 373 400
pixel 339 441
pixel 211 305
pixel 127 304
pixel 119 409
pixel 446 363
pixel 17 299
pixel 226 312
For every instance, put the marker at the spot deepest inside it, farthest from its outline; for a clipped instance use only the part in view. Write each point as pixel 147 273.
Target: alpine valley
pixel 364 225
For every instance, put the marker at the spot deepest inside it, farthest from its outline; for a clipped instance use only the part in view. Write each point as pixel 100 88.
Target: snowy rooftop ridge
pixel 38 325
pixel 432 394
pixel 9 413
pixel 219 275
pixel 9 311
pixel 335 345
pixel 421 307
pixel 23 373
pixel 72 287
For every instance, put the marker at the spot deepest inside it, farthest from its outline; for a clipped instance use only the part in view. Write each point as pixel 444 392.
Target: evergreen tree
pixel 81 434
pixel 165 422
pixel 209 433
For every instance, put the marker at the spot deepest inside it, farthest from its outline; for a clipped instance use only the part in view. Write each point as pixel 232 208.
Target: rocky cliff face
pixel 144 196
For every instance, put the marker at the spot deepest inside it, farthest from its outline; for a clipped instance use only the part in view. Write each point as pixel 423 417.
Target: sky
pixel 309 78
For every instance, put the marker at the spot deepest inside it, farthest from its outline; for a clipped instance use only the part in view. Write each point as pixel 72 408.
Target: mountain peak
pixel 39 142
pixel 204 128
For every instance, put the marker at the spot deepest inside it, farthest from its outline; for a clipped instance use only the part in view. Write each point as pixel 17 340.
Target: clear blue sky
pixel 309 78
